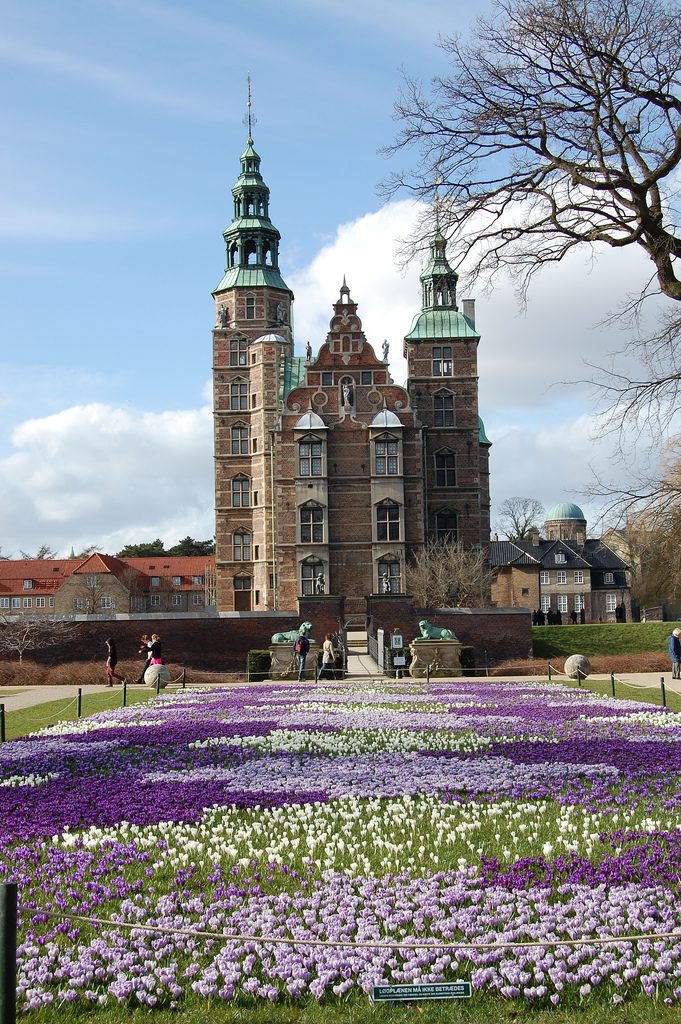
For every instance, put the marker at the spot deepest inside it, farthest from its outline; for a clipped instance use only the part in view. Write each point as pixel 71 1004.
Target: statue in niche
pixel 385 583
pixel 223 316
pixel 319 583
pixel 347 394
pixel 281 313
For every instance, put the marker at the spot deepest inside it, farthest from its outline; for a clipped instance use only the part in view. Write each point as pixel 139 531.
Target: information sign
pixel 400 993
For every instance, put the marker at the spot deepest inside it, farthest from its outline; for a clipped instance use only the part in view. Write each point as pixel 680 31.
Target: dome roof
pixel 310 421
pixel 564 510
pixel 270 338
pixel 385 418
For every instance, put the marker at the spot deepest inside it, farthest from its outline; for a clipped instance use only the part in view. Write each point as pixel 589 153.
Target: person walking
pixel 145 649
pixel 111 662
pixel 300 649
pixel 155 650
pixel 328 669
pixel 675 653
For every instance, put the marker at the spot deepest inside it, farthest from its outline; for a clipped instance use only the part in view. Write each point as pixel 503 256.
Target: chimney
pixel 469 310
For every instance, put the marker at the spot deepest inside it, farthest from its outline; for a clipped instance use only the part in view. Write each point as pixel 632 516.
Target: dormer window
pixel 28 584
pixel 560 557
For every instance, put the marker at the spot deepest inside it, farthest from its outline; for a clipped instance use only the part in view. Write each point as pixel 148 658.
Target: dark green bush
pixel 258 665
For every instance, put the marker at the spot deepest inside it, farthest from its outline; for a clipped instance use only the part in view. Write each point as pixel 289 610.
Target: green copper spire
pixel 438 280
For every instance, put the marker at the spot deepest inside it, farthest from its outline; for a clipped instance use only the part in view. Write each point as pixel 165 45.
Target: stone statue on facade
pixel 385 583
pixel 223 316
pixel 319 583
pixel 385 349
pixel 308 351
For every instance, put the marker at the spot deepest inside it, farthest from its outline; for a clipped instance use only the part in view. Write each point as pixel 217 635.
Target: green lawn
pixel 601 638
pixel 26 720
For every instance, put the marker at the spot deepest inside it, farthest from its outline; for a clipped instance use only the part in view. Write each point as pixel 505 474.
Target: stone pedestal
pixel 443 656
pixel 157 674
pixel 284 664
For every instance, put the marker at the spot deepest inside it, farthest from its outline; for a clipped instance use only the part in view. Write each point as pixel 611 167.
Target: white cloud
pixel 96 474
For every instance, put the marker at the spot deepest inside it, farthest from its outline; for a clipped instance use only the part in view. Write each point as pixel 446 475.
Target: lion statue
pixel 429 632
pixel 290 637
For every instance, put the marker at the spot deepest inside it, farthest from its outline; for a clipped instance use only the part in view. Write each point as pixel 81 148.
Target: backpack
pixel 301 645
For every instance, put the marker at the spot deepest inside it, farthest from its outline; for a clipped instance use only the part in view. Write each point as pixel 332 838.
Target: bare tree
pixel 518 517
pixel 44 552
pixel 19 635
pixel 449 575
pixel 559 126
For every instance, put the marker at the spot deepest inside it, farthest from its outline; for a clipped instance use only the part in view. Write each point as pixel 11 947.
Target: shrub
pixel 258 665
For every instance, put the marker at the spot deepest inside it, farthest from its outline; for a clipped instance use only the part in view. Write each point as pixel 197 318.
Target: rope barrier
pixel 373 944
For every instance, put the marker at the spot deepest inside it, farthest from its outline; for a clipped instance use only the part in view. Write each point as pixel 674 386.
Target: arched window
pixel 239 439
pixel 251 252
pixel 241 492
pixel 446 526
pixel 233 255
pixel 388 521
pixel 389 575
pixel 443 409
pixel 311 523
pixel 309 570
pixel 445 469
pixel 241 546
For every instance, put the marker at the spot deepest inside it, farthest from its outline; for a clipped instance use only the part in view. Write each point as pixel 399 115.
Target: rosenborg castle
pixel 328 474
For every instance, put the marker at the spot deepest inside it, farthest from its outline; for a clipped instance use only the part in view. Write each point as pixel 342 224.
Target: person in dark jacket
pixel 111 662
pixel 675 653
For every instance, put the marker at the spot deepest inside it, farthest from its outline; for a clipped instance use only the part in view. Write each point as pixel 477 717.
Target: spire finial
pixel 436 203
pixel 249 118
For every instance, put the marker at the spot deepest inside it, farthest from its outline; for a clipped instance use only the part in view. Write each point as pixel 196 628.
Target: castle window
pixel 177 600
pixel 311 524
pixel 389 576
pixel 387 452
pixel 4 602
pixel 40 602
pixel 367 377
pixel 155 581
pixel 309 570
pixel 579 576
pixel 234 255
pixel 608 577
pixel 579 602
pixel 177 581
pixel 79 603
pixel 445 469
pixel 28 584
pixel 388 521
pixel 561 576
pixel 250 308
pixel 446 526
pixel 240 583
pixel 198 598
pixel 106 602
pixel 442 361
pixel 562 603
pixel 239 437
pixel 327 379
pixel 310 458
pixel 559 557
pixel 443 410
pixel 241 492
pixel 197 581
pixel 241 545
pixel 544 576
pixel 28 602
pixel 238 355
pixel 251 254
pixel 238 395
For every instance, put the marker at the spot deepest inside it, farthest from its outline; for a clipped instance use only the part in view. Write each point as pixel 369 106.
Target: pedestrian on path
pixel 675 653
pixel 145 649
pixel 300 649
pixel 111 662
pixel 328 669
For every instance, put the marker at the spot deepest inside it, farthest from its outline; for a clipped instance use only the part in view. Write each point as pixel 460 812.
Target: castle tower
pixel 252 339
pixel 441 353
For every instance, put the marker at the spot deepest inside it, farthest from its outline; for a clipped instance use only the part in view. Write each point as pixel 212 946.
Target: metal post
pixel 612 683
pixel 428 674
pixel 579 677
pixel 8 953
pixel 125 692
pixel 3 737
pixel 664 692
pixel 158 683
pixel 549 671
pixel 79 704
pixel 184 679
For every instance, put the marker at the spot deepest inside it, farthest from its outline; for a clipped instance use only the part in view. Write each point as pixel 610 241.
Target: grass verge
pixel 23 721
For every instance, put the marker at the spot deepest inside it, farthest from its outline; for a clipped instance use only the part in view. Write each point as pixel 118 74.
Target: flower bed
pixel 346 820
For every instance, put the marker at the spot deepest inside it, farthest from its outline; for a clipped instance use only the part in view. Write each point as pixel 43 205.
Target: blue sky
pixel 122 125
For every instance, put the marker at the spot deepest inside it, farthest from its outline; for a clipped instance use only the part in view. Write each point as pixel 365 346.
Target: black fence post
pixel 79 704
pixel 549 671
pixel 664 692
pixel 125 692
pixel 579 677
pixel 8 953
pixel 3 735
pixel 612 683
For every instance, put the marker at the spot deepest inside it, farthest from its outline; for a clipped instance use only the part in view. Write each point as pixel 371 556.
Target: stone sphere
pixel 574 662
pixel 156 673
